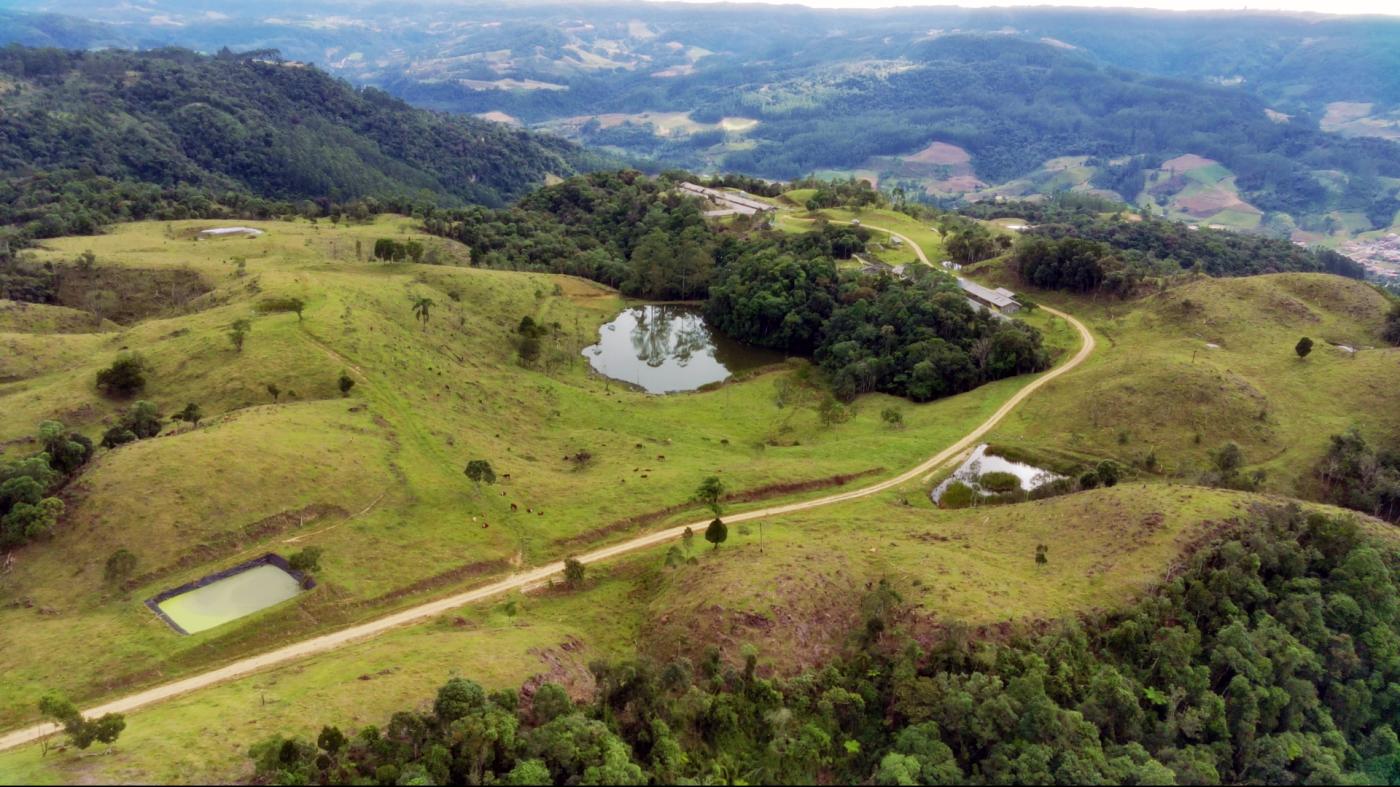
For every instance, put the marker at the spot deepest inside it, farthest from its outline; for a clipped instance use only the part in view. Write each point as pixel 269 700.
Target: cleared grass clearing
pixel 397 518
pixel 926 236
pixel 1158 386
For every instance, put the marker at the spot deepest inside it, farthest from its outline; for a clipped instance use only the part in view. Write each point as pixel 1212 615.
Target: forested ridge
pixel 87 138
pixel 1273 656
pixel 1084 250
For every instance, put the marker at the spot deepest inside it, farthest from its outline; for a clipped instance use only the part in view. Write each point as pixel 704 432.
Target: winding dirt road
pixel 539 576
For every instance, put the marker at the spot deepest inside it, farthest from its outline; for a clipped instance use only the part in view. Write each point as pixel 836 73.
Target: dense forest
pixel 914 337
pixel 1269 657
pixel 1089 252
pixel 87 138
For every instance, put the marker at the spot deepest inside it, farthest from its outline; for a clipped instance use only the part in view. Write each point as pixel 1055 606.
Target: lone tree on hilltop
pixel 480 472
pixel 1304 347
pixel 710 492
pixel 717 533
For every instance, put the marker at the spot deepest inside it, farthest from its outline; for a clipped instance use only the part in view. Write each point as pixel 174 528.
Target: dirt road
pixel 541 575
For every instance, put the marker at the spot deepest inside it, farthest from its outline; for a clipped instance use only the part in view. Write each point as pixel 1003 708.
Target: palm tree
pixel 421 307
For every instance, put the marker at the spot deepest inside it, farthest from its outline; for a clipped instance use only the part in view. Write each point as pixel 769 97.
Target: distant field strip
pixel 537 577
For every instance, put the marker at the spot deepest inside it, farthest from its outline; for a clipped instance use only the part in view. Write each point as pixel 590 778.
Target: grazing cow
pixel 541 513
pixel 660 457
pixel 505 476
pixel 528 511
pixel 485 525
pixel 514 507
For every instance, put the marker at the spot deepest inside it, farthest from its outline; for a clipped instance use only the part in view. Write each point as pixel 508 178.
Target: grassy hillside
pixel 792 596
pixel 376 478
pixel 1181 372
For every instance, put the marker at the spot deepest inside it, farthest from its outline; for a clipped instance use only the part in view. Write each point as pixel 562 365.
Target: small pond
pixel 979 462
pixel 668 347
pixel 227 596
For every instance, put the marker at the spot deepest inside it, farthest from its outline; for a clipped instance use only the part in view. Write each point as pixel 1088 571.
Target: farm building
pixel 999 300
pixel 231 232
pixel 728 203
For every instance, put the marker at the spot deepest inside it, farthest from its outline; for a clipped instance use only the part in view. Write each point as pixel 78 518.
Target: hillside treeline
pixel 1272 657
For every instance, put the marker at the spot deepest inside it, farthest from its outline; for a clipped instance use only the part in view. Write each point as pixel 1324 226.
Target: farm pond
pixel 981 470
pixel 229 595
pixel 669 348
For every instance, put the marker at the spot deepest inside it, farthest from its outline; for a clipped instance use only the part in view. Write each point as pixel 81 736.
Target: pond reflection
pixel 666 348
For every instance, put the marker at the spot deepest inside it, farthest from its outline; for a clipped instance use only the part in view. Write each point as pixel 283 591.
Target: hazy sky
pixel 1388 7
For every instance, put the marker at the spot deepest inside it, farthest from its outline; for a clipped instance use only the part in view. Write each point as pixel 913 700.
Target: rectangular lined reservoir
pixel 229 595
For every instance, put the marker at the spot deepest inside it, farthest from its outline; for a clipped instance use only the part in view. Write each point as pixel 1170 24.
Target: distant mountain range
pixel 1285 124
pixel 79 130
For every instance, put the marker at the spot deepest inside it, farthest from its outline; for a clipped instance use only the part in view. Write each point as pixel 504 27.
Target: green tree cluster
pixel 29 509
pixel 1358 475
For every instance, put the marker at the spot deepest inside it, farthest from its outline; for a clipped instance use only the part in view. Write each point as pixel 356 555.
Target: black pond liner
pixel 270 559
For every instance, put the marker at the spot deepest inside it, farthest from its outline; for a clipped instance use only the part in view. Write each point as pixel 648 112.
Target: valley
pixel 669 393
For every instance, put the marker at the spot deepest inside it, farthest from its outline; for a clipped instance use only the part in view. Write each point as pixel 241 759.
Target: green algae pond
pixel 213 603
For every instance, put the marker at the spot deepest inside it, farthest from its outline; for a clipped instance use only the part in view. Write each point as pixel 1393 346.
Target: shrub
pixel 143 420
pixel 999 482
pixel 346 382
pixel 120 565
pixel 125 377
pixel 573 572
pixel 717 533
pixel 480 472
pixel 1109 472
pixel 307 560
pixel 1391 333
pixel 275 305
pixel 957 495
pixel 892 418
pixel 117 435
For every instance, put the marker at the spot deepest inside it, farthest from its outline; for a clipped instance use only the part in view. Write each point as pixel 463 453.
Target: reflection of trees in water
pixel 663 332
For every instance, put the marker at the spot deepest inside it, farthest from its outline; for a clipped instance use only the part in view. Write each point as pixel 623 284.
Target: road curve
pixel 539 576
